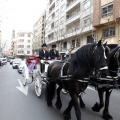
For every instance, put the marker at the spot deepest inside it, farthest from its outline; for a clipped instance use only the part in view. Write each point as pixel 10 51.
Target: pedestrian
pixel 54 54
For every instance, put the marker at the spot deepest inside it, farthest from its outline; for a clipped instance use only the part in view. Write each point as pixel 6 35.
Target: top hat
pixel 44 45
pixel 54 46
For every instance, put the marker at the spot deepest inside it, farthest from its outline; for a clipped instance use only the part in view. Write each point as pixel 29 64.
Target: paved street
pixel 14 105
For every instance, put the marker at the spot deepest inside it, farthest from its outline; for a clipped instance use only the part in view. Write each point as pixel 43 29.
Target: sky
pixel 19 15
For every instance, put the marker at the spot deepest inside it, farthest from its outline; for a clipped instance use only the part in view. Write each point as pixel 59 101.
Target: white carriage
pixel 33 73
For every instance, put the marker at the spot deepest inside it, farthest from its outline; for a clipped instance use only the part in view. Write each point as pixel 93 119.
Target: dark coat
pixel 54 54
pixel 43 55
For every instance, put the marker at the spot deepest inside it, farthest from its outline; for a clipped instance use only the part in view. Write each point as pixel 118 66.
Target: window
pixel 86 4
pixel 29 35
pixel 65 45
pixel 61 20
pixel 87 22
pixel 28 41
pixel 21 35
pixel 20 51
pixel 77 43
pixel 28 46
pixel 21 40
pixel 20 46
pixel 56 23
pixel 28 52
pixel 73 43
pixel 53 15
pixel 107 10
pixel 52 25
pixel 62 31
pixel 57 2
pixel 57 12
pixel 90 39
pixel 108 32
pixel 56 34
pixel 62 8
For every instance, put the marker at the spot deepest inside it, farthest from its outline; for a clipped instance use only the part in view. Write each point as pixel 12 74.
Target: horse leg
pixel 106 114
pixel 76 106
pixel 82 104
pixel 50 92
pixel 58 103
pixel 66 113
pixel 97 106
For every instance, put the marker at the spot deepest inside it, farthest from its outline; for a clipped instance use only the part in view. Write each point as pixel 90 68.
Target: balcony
pixel 73 17
pixel 50 2
pixel 52 8
pixel 72 4
pixel 74 29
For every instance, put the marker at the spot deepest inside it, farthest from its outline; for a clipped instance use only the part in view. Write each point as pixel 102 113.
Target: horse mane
pixel 81 63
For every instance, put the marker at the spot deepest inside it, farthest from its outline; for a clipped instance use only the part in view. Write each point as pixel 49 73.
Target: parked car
pixel 3 61
pixel 16 62
pixel 20 66
pixel 11 61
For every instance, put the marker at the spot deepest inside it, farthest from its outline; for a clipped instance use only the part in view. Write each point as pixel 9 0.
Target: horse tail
pixel 50 92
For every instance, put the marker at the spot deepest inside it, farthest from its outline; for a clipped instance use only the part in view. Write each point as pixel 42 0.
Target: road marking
pixel 23 89
pixel 90 88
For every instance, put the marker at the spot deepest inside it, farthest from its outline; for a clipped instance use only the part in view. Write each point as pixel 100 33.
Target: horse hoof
pixel 96 107
pixel 66 116
pixel 49 104
pixel 82 105
pixel 107 117
pixel 58 106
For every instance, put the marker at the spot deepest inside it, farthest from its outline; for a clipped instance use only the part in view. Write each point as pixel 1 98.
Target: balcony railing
pixel 73 29
pixel 69 4
pixel 73 15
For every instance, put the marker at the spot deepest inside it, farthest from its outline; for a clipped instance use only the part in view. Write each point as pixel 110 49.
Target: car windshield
pixel 22 62
pixel 4 59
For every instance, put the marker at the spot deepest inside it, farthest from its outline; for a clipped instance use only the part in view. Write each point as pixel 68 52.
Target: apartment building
pixel 39 33
pixel 13 44
pixel 106 20
pixel 0 38
pixel 0 32
pixel 69 24
pixel 24 43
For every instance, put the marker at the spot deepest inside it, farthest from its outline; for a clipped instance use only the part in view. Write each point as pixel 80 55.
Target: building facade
pixel 24 41
pixel 107 20
pixel 69 24
pixel 0 34
pixel 39 33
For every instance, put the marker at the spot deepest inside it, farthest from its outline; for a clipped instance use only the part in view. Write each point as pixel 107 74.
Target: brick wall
pixel 116 12
pixel 96 12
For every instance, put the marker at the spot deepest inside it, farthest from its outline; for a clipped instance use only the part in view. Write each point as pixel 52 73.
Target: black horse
pixel 88 58
pixel 113 65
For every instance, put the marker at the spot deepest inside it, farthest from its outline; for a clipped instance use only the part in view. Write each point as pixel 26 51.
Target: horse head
pixel 100 53
pixel 88 58
pixel 114 61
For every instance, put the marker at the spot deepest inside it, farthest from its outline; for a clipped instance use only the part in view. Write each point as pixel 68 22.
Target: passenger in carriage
pixel 54 54
pixel 43 55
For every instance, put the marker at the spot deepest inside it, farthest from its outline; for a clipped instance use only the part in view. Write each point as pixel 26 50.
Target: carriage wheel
pixel 24 81
pixel 38 86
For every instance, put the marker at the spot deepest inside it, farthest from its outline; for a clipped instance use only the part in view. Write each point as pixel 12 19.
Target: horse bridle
pixel 117 55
